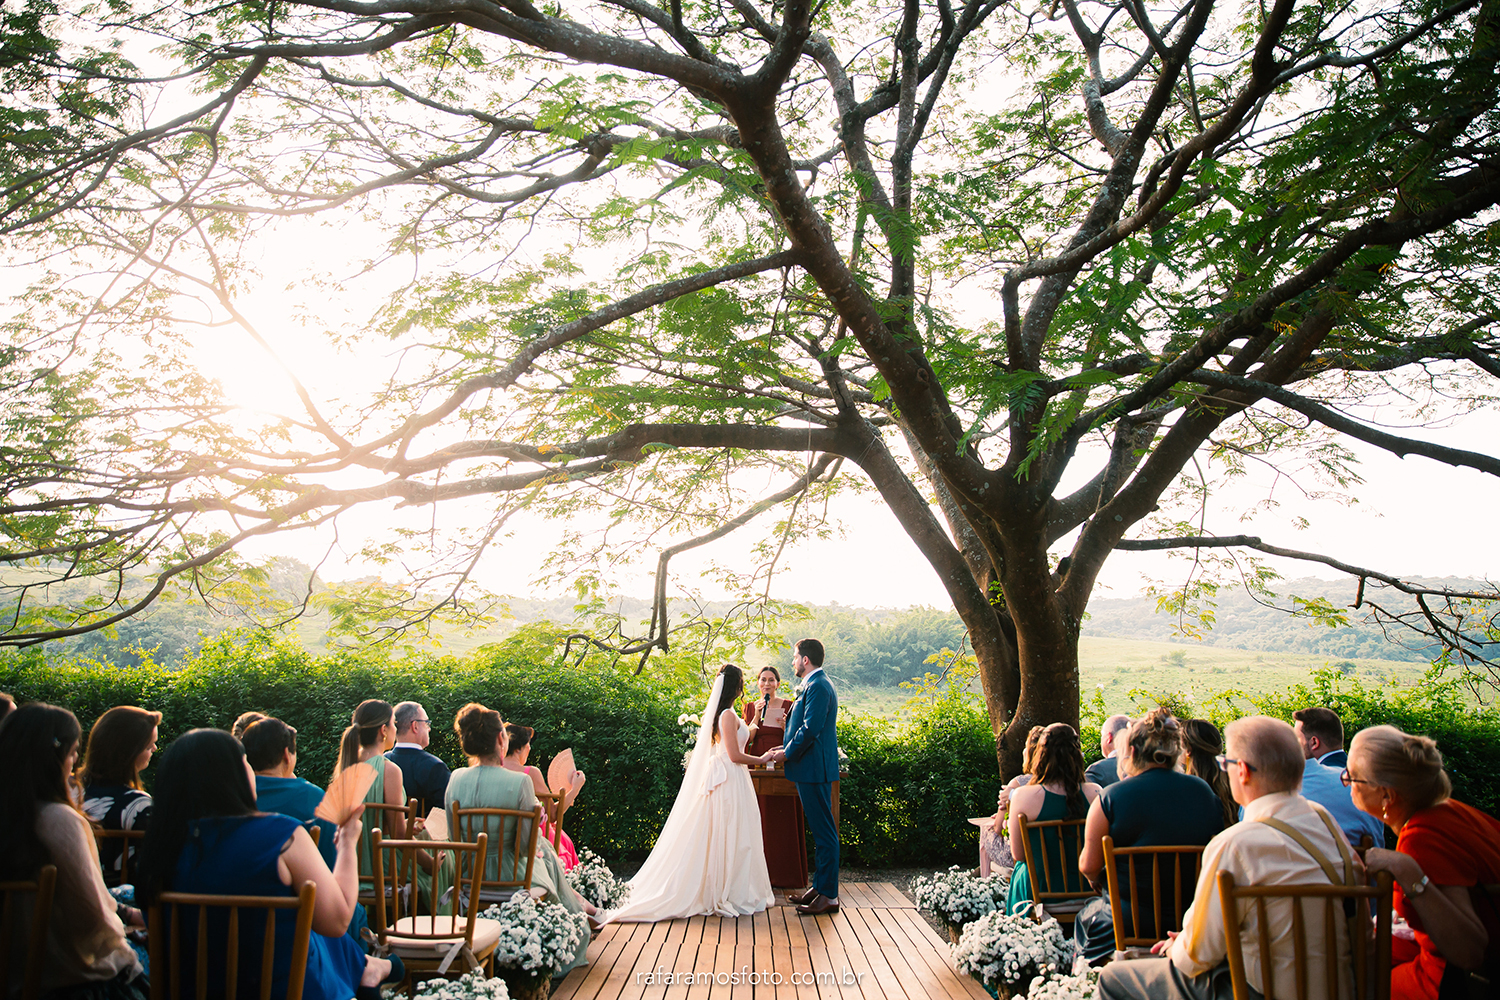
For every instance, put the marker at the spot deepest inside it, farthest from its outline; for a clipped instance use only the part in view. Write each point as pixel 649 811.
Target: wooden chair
pixel 129 840
pixel 432 934
pixel 1372 973
pixel 1056 883
pixel 378 816
pixel 1180 867
pixel 557 805
pixel 36 937
pixel 217 937
pixel 315 832
pixel 467 824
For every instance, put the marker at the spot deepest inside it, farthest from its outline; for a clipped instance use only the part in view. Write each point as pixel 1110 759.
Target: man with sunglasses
pixel 1284 840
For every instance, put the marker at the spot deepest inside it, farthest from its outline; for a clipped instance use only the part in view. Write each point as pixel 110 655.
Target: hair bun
pixel 1422 750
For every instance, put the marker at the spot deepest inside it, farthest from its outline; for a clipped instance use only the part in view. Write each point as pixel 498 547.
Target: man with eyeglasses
pixel 424 776
pixel 1284 840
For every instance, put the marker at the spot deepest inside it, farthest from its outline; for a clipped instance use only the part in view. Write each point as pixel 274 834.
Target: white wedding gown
pixel 708 859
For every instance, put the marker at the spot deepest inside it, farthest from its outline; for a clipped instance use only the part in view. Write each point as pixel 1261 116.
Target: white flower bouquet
pixel 1007 951
pixel 594 881
pixel 539 938
pixel 958 896
pixel 1084 986
pixel 470 986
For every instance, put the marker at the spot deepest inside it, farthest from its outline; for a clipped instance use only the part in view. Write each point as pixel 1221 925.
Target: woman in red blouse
pixel 1446 854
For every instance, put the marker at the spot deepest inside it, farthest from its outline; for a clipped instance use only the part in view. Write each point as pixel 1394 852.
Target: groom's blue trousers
pixel 817 806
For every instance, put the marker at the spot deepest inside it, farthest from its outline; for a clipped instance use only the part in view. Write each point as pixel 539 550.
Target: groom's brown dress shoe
pixel 800 898
pixel 820 904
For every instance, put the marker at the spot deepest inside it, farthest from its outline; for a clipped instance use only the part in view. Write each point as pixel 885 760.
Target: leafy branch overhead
pixel 675 268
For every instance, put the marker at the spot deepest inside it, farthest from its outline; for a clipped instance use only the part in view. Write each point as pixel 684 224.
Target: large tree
pixel 653 252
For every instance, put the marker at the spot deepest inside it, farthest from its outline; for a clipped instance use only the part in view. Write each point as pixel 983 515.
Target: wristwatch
pixel 1417 888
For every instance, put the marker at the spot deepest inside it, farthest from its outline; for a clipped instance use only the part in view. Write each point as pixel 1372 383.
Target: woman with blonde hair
pixel 1446 854
pixel 1153 805
pixel 994 849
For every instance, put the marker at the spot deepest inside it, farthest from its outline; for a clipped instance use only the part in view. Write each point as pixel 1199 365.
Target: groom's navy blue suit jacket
pixel 811 744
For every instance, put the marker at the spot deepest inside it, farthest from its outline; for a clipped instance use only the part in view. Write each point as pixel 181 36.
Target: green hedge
pixel 912 784
pixel 623 731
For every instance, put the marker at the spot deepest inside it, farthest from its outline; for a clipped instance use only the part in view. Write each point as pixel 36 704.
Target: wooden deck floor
pixel 877 947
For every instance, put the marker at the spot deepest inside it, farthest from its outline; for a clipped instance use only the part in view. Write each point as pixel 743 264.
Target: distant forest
pixel 872 647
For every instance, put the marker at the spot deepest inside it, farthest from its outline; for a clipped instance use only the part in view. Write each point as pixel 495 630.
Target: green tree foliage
pixel 679 268
pixel 879 649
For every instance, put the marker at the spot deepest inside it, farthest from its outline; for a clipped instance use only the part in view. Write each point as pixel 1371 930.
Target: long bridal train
pixel 709 858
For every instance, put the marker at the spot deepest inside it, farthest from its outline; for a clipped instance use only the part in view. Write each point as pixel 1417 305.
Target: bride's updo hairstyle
pixel 734 686
pixel 478 728
pixel 363 730
pixel 1154 741
pixel 1411 766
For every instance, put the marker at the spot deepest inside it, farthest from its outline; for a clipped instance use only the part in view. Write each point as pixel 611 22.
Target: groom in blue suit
pixel 811 754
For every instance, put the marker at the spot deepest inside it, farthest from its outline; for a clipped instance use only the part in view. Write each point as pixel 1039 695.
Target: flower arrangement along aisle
pixel 594 881
pixel 959 896
pixel 470 986
pixel 1007 952
pixel 1084 986
pixel 536 940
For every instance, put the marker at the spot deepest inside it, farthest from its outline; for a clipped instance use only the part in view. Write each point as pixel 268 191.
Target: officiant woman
pixel 781 822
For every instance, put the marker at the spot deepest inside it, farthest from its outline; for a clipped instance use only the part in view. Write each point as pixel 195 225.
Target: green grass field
pixel 1115 667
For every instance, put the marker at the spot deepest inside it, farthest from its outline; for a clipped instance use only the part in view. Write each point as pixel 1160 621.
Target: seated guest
pixel 1105 772
pixel 1321 733
pixel 487 784
pixel 87 954
pixel 244 722
pixel 1057 791
pixel 208 837
pixel 271 748
pixel 370 733
pixel 994 849
pixel 119 749
pixel 1159 806
pixel 1203 743
pixel 1324 786
pixel 516 754
pixel 1265 771
pixel 1446 854
pixel 424 776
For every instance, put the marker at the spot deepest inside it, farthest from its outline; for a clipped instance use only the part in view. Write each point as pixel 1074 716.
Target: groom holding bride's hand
pixel 811 754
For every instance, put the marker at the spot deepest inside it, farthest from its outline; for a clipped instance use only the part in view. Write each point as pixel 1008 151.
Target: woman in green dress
pixel 487 784
pixel 1057 791
pixel 371 732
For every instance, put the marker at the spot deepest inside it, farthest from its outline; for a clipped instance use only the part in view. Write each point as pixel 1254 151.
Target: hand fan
pixel 345 797
pixel 560 771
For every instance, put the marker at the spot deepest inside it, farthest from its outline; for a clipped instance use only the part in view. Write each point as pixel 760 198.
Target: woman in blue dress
pixel 207 837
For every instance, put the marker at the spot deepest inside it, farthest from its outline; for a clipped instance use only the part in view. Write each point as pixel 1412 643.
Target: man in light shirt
pixel 1321 733
pixel 1264 763
pixel 1106 772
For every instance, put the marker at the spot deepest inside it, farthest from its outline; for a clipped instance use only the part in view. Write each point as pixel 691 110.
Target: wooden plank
pixel 889 895
pixel 926 945
pixel 687 956
pixel 778 950
pixel 871 973
pixel 673 932
pixel 802 963
pixel 599 969
pixel 621 979
pixel 829 961
pixel 703 960
pixel 880 947
pixel 855 894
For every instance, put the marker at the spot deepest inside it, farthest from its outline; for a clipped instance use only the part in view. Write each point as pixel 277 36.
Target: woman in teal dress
pixel 1057 791
pixel 371 732
pixel 487 784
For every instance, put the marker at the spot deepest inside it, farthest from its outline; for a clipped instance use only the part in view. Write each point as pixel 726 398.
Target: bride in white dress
pixel 708 859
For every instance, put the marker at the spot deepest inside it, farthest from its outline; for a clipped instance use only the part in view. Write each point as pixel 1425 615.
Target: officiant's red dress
pixel 782 827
